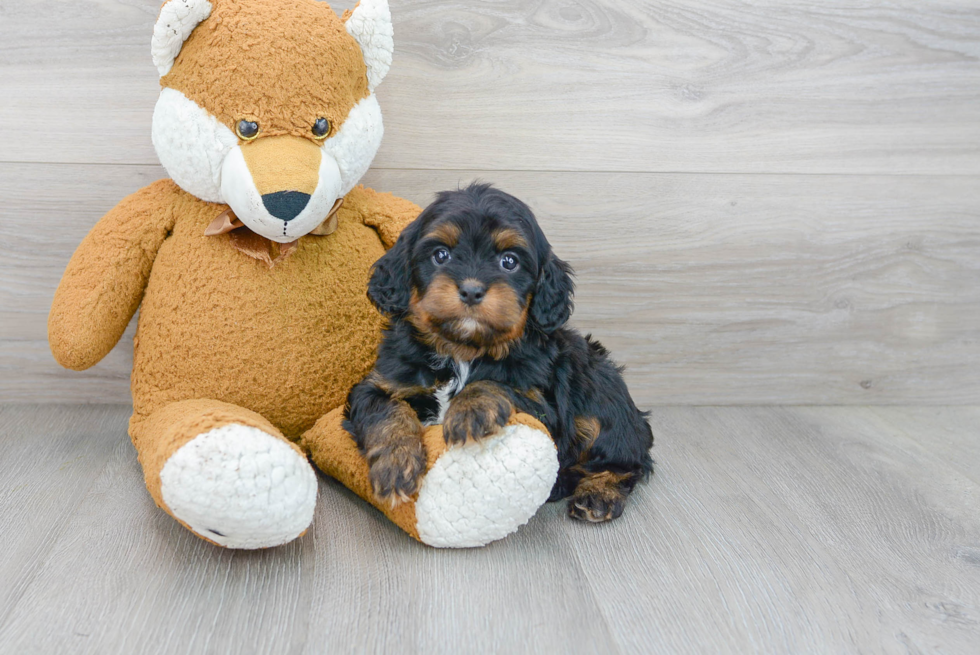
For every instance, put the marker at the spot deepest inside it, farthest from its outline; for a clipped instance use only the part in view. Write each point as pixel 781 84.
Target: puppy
pixel 477 304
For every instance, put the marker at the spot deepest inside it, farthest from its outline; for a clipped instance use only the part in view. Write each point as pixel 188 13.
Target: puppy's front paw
pixel 599 497
pixel 475 414
pixel 396 471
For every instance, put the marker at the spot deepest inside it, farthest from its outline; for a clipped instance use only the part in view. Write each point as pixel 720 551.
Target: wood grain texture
pixel 817 530
pixel 932 429
pixel 711 289
pixel 763 530
pixel 649 85
pixel 525 594
pixel 821 245
pixel 51 457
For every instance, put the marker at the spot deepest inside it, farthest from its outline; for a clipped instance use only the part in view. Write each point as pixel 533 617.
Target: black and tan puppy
pixel 477 304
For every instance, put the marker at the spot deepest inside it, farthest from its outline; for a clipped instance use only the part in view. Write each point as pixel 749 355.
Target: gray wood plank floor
pixel 778 530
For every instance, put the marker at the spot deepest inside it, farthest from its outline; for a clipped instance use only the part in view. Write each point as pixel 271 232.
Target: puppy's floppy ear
pixel 552 302
pixel 390 286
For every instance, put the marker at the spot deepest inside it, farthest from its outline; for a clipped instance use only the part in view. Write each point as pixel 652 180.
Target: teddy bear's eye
pixel 321 128
pixel 247 130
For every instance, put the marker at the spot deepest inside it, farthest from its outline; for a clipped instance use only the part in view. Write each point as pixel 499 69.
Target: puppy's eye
pixel 441 256
pixel 321 128
pixel 509 262
pixel 247 130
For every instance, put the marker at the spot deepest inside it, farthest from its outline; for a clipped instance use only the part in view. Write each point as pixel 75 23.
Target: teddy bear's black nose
pixel 286 205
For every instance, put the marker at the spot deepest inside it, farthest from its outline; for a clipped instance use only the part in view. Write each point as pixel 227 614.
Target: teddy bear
pixel 249 267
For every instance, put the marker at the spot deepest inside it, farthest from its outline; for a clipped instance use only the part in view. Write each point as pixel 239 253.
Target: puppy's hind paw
pixel 599 497
pixel 596 509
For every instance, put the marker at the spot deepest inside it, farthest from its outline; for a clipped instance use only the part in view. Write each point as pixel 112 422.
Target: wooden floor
pixel 778 530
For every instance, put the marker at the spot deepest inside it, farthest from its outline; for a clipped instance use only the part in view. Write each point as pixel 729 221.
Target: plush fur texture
pixel 239 357
pixel 250 472
pixel 477 303
pixel 282 64
pixel 370 24
pixel 211 87
pixel 478 493
pixel 176 21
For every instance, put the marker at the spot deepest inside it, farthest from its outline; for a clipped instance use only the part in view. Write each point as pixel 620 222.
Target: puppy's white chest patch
pixel 447 391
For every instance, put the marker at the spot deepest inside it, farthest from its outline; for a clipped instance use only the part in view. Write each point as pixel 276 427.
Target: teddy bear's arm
pixel 386 213
pixel 105 279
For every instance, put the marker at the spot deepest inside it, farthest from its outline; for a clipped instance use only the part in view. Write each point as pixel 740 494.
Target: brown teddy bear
pixel 250 267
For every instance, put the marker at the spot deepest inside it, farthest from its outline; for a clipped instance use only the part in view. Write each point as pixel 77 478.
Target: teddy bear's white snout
pixel 206 159
pixel 279 214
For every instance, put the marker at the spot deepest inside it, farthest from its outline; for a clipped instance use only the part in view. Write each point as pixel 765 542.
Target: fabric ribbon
pixel 257 246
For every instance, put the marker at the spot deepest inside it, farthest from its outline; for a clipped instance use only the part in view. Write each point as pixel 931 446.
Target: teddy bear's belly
pixel 287 343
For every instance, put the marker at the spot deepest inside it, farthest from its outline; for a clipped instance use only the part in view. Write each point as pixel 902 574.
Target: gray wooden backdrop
pixel 765 202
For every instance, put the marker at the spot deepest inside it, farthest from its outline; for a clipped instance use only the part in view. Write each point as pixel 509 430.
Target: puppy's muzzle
pixel 472 292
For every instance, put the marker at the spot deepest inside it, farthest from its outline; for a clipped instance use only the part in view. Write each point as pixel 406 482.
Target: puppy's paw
pixel 599 497
pixel 596 508
pixel 475 415
pixel 396 472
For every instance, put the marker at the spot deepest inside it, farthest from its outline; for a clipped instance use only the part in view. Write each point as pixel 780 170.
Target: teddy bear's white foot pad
pixel 481 492
pixel 240 487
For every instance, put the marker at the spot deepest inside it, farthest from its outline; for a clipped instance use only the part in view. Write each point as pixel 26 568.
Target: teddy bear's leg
pixel 470 495
pixel 225 473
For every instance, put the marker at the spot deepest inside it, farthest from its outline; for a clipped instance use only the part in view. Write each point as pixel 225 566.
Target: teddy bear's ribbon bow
pixel 257 246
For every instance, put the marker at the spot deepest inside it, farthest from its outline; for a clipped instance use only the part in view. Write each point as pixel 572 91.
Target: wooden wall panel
pixel 579 85
pixel 767 202
pixel 712 289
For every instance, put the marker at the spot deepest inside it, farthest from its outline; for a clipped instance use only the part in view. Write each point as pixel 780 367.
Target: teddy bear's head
pixel 268 106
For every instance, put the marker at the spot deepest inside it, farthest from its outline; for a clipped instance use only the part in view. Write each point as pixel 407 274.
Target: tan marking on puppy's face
pixel 280 64
pixel 502 310
pixel 445 233
pixel 453 327
pixel 508 238
pixel 440 303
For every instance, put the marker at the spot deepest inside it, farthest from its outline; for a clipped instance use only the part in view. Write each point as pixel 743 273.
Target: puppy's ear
pixel 390 286
pixel 552 302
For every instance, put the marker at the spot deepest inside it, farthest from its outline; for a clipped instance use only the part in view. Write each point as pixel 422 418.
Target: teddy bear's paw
pixel 480 492
pixel 240 487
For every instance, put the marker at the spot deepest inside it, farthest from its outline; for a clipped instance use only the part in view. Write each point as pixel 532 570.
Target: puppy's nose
pixel 472 292
pixel 286 205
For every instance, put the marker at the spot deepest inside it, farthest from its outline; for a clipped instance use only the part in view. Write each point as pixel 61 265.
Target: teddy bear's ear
pixel 370 25
pixel 177 20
